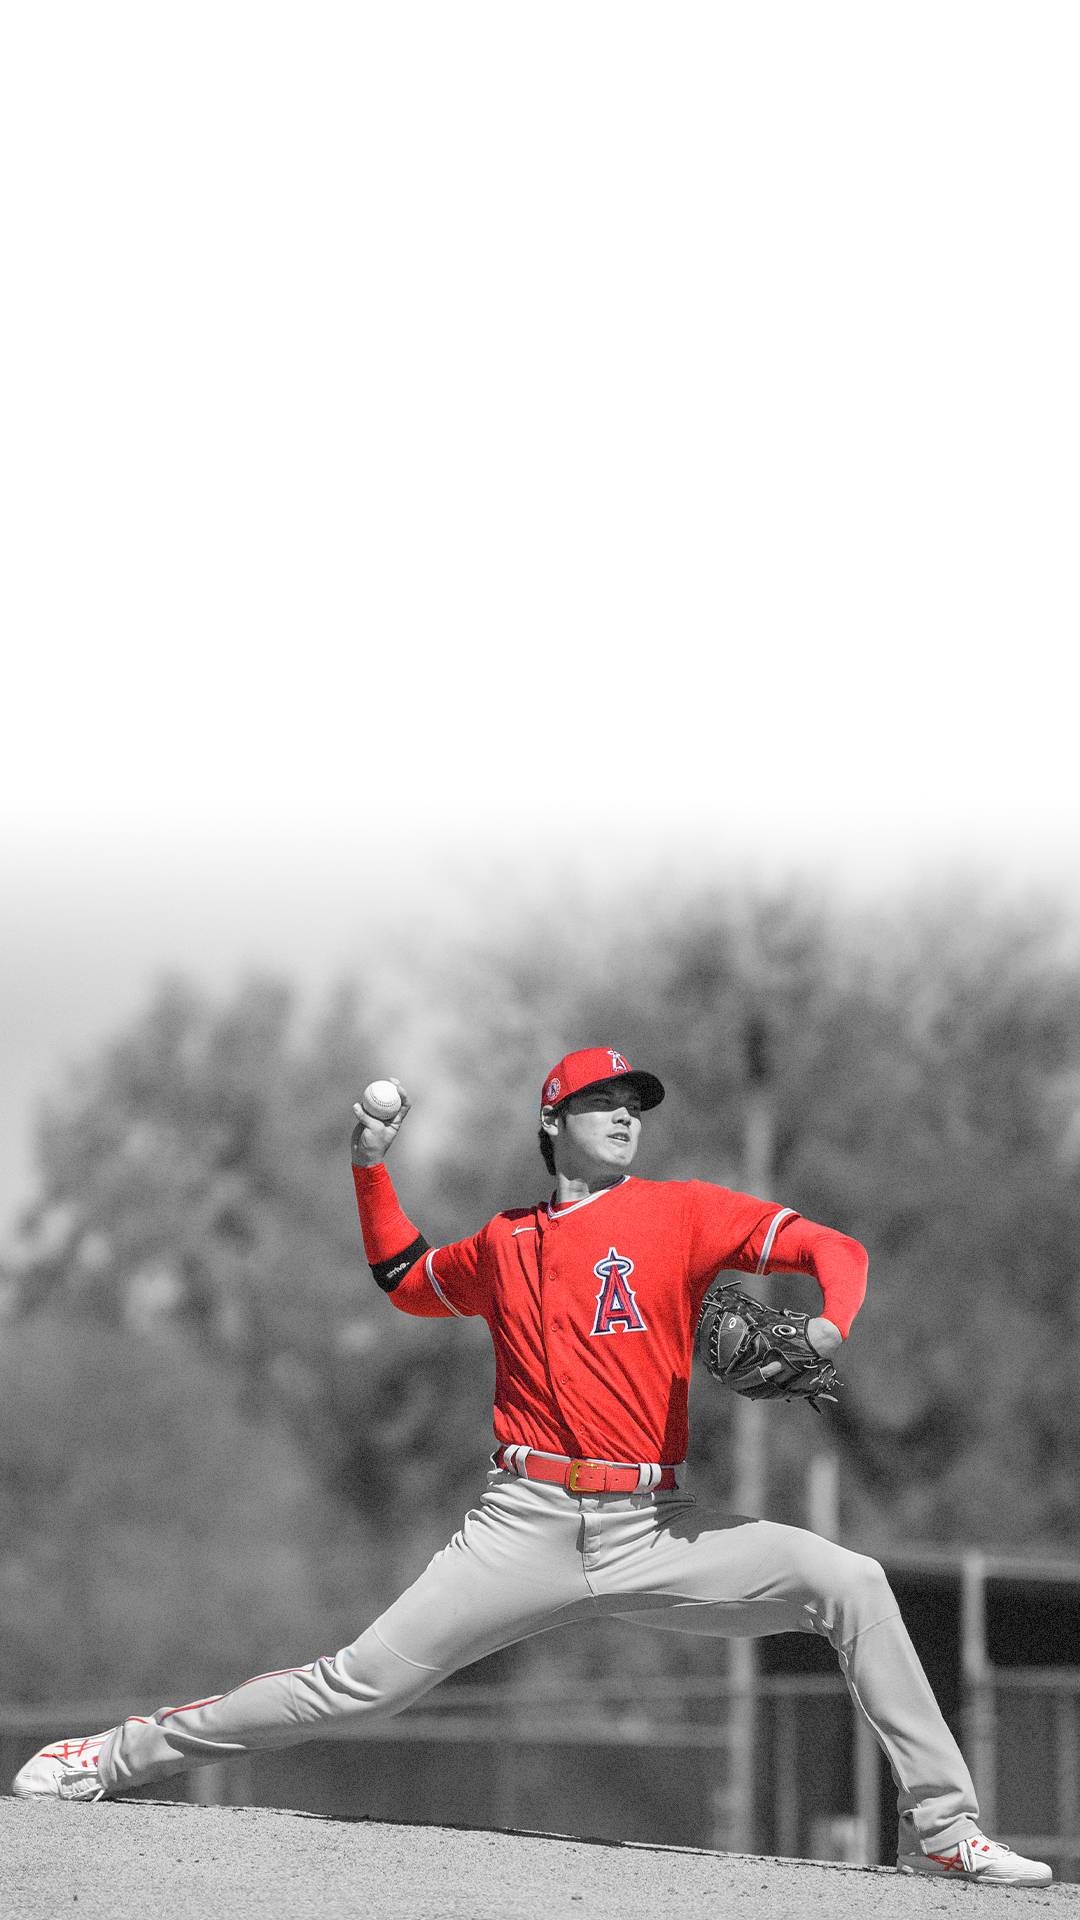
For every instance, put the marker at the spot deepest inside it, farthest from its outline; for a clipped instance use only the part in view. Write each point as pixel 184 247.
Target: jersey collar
pixel 559 1213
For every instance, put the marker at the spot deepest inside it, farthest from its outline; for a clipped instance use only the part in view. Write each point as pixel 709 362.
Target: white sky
pixel 442 443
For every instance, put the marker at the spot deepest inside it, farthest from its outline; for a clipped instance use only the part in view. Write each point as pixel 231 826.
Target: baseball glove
pixel 761 1351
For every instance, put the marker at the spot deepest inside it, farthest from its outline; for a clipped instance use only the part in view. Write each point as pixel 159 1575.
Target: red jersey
pixel 592 1307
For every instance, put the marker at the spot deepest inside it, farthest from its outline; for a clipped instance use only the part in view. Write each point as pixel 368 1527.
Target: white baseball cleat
pixel 979 1859
pixel 65 1771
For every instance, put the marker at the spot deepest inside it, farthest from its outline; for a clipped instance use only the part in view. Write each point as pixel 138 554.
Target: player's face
pixel 601 1130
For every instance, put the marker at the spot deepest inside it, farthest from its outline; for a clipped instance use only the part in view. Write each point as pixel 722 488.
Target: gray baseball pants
pixel 531 1557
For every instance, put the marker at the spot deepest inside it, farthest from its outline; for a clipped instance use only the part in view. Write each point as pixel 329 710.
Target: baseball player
pixel 592 1299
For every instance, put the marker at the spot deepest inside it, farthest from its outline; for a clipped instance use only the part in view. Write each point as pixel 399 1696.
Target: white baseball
pixel 381 1099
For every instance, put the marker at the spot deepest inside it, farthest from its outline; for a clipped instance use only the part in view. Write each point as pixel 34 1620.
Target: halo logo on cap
pixel 592 1067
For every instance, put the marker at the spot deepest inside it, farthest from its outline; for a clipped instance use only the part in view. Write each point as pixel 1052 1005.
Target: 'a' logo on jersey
pixel 615 1303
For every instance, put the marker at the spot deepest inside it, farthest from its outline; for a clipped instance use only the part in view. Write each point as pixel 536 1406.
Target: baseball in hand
pixel 382 1100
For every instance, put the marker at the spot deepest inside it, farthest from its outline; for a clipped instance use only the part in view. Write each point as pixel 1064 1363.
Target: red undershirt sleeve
pixel 838 1264
pixel 418 1280
pixel 391 1242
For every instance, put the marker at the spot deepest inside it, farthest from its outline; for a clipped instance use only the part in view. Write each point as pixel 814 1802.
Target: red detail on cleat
pixel 949 1862
pixel 73 1752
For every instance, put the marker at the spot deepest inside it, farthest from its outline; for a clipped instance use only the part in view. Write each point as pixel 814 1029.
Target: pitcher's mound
pixel 164 1860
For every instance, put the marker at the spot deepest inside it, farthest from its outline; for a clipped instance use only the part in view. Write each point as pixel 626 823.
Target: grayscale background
pixel 526 527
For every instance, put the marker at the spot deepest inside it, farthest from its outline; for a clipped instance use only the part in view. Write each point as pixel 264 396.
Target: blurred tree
pixel 197 1176
pixel 155 1535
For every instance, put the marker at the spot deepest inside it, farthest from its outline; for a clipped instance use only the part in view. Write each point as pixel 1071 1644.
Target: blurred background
pixel 527 528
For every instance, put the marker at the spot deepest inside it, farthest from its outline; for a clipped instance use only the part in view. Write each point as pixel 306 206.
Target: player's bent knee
pixel 865 1598
pixel 867 1577
pixel 848 1576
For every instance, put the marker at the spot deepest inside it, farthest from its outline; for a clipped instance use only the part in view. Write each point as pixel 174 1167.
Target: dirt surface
pixel 117 1860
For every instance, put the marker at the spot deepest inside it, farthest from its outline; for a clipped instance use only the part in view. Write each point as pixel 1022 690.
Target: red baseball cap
pixel 590 1068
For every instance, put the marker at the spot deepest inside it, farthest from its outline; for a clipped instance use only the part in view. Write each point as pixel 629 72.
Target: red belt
pixel 584 1476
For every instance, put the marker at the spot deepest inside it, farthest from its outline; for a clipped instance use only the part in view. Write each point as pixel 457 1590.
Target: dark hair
pixel 547 1152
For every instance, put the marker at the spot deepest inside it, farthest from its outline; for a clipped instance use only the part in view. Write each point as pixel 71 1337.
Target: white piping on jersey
pixel 518 1230
pixel 431 1276
pixel 556 1213
pixel 775 1224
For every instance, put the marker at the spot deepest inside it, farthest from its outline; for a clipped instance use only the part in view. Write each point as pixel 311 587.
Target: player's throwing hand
pixel 374 1134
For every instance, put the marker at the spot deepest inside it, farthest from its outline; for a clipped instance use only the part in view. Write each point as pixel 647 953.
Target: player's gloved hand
pixel 371 1138
pixel 765 1352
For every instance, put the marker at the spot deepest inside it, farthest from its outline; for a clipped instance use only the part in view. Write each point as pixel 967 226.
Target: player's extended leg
pixel 514 1569
pixel 726 1575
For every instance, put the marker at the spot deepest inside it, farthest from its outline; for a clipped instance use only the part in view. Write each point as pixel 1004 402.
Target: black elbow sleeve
pixel 387 1273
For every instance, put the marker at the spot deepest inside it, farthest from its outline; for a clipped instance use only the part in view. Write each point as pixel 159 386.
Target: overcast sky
pixel 448 449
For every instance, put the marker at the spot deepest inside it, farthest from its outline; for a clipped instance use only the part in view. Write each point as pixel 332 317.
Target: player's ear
pixel 549 1120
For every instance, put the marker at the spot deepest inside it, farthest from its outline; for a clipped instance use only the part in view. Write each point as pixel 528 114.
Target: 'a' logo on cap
pixel 618 1064
pixel 553 1086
